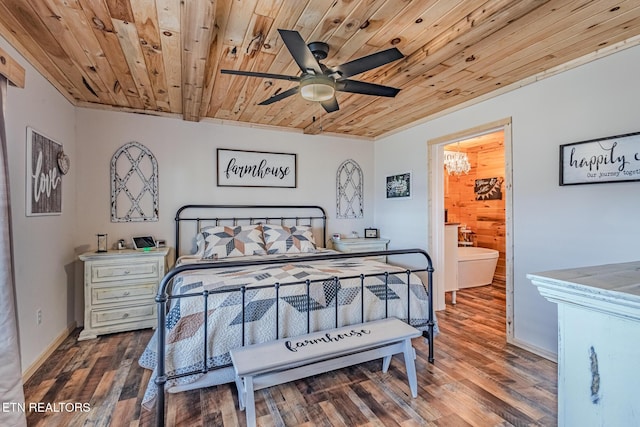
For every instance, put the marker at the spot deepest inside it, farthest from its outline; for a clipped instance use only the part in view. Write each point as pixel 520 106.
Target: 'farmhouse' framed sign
pixel 611 159
pixel 238 168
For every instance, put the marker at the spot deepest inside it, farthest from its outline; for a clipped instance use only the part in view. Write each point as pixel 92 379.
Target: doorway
pixel 487 227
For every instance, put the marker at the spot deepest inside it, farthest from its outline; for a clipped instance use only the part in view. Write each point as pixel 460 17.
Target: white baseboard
pixel 533 349
pixel 27 373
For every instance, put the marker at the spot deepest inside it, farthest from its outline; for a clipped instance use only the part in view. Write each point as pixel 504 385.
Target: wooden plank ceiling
pixel 164 56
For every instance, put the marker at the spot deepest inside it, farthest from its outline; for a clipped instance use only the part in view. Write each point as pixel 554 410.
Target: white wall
pixel 186 154
pixel 553 226
pixel 43 246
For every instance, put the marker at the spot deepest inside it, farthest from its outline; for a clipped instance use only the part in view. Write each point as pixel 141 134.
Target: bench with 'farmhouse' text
pixel 264 365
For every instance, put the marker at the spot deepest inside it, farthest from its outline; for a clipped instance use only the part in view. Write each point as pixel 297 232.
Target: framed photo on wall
pixel 44 178
pixel 399 186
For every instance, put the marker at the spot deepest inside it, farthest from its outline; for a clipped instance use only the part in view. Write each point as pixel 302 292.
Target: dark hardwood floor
pixel 477 380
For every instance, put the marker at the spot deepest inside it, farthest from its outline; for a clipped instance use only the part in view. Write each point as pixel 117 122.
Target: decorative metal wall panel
pixel 349 190
pixel 134 184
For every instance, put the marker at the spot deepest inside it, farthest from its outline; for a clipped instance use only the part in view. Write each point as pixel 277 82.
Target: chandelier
pixel 456 162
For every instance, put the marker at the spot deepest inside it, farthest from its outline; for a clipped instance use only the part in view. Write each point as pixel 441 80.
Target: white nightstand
pixel 120 289
pixel 361 245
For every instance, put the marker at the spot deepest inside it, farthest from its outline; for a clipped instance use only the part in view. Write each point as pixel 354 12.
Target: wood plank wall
pixel 486 218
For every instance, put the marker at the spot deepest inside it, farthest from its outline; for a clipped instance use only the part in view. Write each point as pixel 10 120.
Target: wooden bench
pixel 264 365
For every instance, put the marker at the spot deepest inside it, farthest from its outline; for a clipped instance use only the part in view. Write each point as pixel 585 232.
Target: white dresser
pixel 120 289
pixel 361 245
pixel 598 342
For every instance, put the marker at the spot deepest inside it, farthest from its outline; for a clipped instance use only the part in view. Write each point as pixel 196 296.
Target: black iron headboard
pixel 206 215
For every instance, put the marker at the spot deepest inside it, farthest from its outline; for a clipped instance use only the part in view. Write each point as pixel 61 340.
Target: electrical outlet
pixel 39 316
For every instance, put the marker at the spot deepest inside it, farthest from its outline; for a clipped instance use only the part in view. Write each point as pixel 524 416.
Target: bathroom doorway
pixel 475 199
pixel 474 195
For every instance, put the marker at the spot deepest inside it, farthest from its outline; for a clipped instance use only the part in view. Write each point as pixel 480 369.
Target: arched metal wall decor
pixel 134 184
pixel 349 190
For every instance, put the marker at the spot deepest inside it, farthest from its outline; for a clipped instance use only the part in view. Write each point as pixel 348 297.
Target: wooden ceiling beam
pixel 146 21
pixel 223 9
pixel 198 32
pixel 11 69
pixel 171 44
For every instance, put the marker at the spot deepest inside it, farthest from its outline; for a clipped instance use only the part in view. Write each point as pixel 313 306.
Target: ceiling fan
pixel 319 82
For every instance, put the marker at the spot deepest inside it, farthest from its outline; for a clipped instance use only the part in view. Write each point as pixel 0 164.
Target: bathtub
pixel 476 266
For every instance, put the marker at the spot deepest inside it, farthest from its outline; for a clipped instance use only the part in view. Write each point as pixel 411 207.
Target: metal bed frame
pixel 164 297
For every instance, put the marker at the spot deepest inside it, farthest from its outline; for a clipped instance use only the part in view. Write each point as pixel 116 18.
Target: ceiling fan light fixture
pixel 317 88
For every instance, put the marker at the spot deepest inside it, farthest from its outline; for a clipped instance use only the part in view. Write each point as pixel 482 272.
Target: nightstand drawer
pixel 364 247
pixel 122 293
pixel 113 272
pixel 115 316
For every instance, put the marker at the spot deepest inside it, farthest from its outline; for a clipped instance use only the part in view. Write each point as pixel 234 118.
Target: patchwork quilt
pixel 295 307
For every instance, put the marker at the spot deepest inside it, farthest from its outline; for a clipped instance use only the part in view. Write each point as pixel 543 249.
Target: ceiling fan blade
pixel 300 52
pixel 364 88
pixel 331 105
pixel 367 63
pixel 263 75
pixel 281 95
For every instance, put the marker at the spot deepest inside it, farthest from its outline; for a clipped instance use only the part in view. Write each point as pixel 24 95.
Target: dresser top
pixel 610 288
pixel 361 240
pixel 623 278
pixel 124 253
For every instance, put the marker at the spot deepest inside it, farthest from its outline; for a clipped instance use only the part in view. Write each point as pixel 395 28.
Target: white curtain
pixel 11 390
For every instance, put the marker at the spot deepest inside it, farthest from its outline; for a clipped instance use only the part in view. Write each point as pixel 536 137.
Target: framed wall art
pixel 488 188
pixel 399 186
pixel 239 168
pixel 44 177
pixel 596 161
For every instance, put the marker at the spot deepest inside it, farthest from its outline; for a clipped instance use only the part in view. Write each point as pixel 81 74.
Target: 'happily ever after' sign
pixel 612 159
pixel 238 168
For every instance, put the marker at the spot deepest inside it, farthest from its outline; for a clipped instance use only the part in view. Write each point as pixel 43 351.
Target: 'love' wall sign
pixel 44 181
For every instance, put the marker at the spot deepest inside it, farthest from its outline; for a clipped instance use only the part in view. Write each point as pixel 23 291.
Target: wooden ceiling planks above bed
pixel 164 57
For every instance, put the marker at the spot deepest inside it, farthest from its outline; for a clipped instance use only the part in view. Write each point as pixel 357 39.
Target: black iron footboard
pixel 164 297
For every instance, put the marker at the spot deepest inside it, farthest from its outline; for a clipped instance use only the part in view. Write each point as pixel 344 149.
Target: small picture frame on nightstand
pixel 371 233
